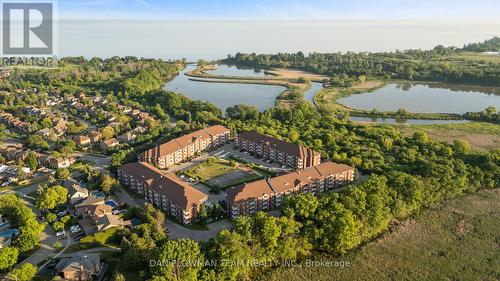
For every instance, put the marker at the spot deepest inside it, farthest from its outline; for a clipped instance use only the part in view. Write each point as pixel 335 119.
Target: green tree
pixel 107 133
pixel 32 161
pixel 36 142
pixel 63 173
pixel 108 183
pixel 182 260
pixel 52 197
pixel 24 272
pixel 8 257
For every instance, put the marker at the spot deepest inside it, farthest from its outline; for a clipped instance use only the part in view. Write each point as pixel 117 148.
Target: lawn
pixel 99 239
pixel 220 173
pixel 211 168
pixel 455 240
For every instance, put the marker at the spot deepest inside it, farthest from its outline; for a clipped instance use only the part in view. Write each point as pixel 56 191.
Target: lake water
pixel 216 39
pixel 393 121
pixel 225 95
pixel 232 70
pixel 309 94
pixel 425 98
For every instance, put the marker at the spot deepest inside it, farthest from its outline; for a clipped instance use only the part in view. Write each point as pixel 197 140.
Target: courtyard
pixel 218 173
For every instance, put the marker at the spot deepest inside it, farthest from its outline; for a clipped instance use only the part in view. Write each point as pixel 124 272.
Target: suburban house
pixel 94 136
pixel 14 122
pixel 94 211
pixel 185 147
pixel 82 140
pixel 288 154
pixel 89 201
pixel 267 194
pixel 80 267
pixel 60 162
pixel 97 216
pixel 107 144
pixel 76 193
pixel 175 197
pixel 127 137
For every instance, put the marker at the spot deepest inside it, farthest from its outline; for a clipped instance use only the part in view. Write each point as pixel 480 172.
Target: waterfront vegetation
pixel 405 172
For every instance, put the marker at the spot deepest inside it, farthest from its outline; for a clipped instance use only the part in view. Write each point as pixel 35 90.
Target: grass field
pixel 99 239
pixel 222 173
pixel 456 240
pixel 210 169
pixel 480 135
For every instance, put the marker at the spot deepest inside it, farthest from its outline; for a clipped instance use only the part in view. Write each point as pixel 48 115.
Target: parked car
pixel 62 213
pixel 75 228
pixel 60 233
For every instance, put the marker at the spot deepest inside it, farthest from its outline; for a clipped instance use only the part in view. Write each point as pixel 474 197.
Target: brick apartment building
pixel 288 154
pixel 185 147
pixel 267 194
pixel 164 190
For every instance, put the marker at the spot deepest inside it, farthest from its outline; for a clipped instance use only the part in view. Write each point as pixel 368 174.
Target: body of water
pixel 233 70
pixel 225 95
pixel 424 98
pixel 216 39
pixel 393 121
pixel 309 94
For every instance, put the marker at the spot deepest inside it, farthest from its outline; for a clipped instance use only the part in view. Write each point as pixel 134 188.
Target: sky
pixel 279 9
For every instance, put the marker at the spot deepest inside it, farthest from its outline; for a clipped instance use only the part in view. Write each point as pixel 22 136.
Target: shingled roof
pixel 285 182
pixel 280 145
pixel 180 192
pixel 183 141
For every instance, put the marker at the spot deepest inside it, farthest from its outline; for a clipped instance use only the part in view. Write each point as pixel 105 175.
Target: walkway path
pixel 177 231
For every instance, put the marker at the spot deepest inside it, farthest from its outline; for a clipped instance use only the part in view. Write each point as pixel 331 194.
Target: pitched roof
pixel 72 186
pixel 216 130
pixel 281 145
pixel 95 210
pixel 166 184
pixel 91 200
pixel 291 180
pixel 109 220
pixel 183 141
pixel 76 262
pixel 285 182
pixel 250 190
pixel 178 191
pixel 189 139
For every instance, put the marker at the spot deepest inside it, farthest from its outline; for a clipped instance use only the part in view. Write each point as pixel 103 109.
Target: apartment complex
pixel 288 154
pixel 185 147
pixel 164 190
pixel 267 194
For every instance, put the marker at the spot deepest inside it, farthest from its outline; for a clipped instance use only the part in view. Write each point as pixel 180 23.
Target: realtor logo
pixel 28 28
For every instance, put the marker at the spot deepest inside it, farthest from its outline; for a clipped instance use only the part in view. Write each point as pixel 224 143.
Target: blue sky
pixel 280 9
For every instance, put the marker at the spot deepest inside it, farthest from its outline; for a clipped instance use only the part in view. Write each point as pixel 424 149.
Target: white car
pixel 62 213
pixel 75 228
pixel 60 233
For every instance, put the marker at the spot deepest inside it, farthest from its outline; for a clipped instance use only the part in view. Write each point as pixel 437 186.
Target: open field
pixel 475 57
pixel 455 240
pixel 480 135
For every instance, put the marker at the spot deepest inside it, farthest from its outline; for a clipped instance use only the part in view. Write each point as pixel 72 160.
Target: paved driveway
pixel 177 231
